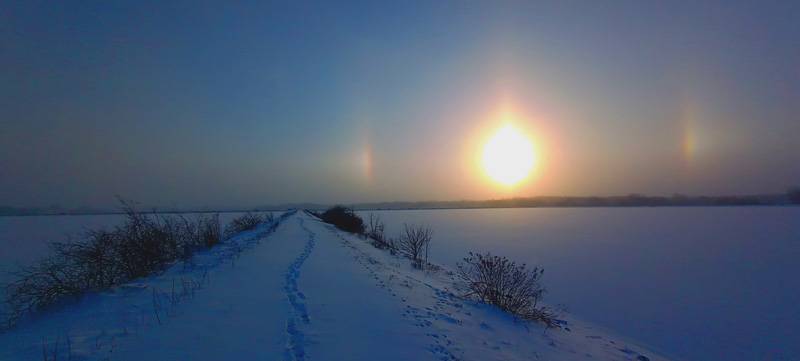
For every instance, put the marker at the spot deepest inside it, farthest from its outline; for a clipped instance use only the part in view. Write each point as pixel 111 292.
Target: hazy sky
pixel 193 103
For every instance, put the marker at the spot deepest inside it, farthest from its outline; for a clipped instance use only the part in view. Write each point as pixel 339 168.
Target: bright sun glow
pixel 508 157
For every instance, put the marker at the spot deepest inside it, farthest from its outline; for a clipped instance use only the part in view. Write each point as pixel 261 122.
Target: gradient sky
pixel 211 104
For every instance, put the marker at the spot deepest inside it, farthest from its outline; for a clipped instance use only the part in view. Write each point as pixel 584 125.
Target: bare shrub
pixel 512 287
pixel 203 232
pixel 246 222
pixel 146 243
pixel 375 227
pixel 142 245
pixel 376 231
pixel 415 243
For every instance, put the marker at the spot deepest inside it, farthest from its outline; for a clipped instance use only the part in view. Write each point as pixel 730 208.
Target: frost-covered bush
pixel 343 218
pixel 512 287
pixel 246 222
pixel 415 243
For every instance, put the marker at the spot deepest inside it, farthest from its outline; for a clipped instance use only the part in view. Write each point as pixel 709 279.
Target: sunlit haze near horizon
pixel 215 104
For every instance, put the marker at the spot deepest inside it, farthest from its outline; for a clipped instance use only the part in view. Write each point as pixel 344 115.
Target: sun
pixel 508 157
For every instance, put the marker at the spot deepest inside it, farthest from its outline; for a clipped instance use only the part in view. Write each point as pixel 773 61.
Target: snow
pixel 303 292
pixel 697 283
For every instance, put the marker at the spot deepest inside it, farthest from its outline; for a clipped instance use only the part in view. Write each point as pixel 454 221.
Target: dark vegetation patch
pixel 144 244
pixel 343 218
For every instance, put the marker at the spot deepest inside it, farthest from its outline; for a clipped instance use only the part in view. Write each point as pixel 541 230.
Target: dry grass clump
pixel 246 222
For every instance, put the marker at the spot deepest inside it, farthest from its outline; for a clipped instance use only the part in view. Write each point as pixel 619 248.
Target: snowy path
pixel 305 292
pixel 358 295
pixel 351 317
pixel 240 313
pixel 239 310
pixel 298 315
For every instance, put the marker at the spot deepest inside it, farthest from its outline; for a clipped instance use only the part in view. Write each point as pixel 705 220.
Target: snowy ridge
pixel 311 293
pixel 94 326
pixel 458 329
pixel 385 278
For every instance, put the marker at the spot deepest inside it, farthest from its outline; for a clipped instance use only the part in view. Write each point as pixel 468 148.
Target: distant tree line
pixel 791 196
pixel 794 195
pixel 631 200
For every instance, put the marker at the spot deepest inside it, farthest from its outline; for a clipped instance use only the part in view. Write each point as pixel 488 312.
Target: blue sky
pixel 210 103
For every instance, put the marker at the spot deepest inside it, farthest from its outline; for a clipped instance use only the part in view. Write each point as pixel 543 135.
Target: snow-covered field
pixel 698 283
pixel 303 292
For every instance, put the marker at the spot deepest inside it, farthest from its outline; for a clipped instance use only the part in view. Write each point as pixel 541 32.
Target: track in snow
pixel 295 346
pixel 446 310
